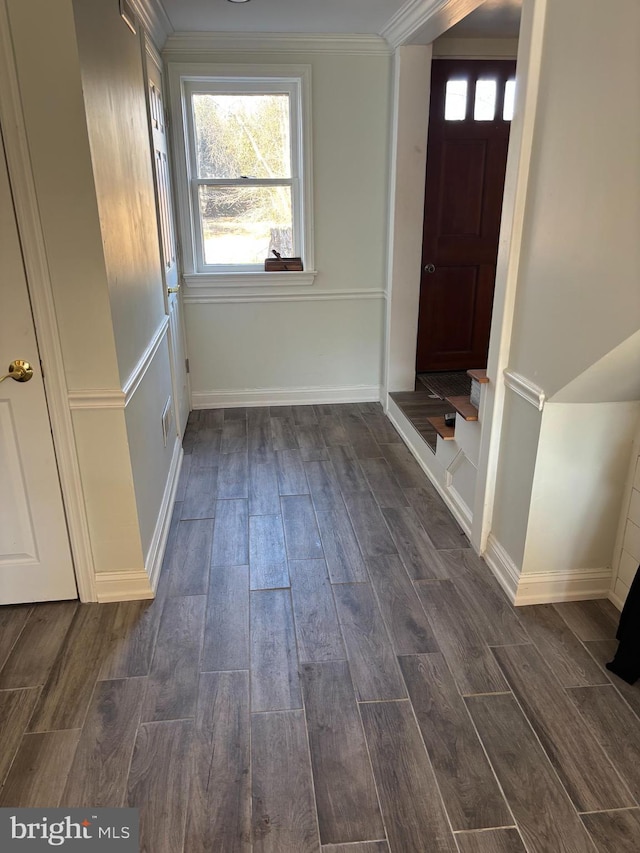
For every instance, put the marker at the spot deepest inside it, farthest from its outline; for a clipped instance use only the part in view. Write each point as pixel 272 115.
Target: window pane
pixel 484 108
pixel 242 135
pixel 455 102
pixel 241 225
pixel 509 100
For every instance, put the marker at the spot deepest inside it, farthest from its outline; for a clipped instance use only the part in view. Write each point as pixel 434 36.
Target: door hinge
pixel 186 364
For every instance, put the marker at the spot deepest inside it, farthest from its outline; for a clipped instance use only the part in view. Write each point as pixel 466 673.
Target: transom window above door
pixel 484 99
pixel 244 183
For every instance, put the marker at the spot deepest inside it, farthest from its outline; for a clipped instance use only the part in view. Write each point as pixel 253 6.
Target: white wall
pixel 114 95
pixel 581 468
pixel 257 349
pixel 150 457
pixel 45 49
pixel 82 94
pixel 577 303
pixel 411 86
pixel 516 468
pixel 578 293
pixel 283 347
pixel 615 378
pixel 107 480
pixel 475 48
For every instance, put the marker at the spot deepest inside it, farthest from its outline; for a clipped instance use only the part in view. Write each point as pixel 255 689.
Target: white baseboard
pixel 538 588
pixel 123 586
pixel 502 566
pixel 426 459
pixel 545 587
pixel 550 587
pixel 138 583
pixel 155 554
pixel 460 509
pixel 285 396
pixel 616 600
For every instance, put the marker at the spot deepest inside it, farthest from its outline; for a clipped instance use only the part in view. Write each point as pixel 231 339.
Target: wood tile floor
pixel 327 666
pixel 420 405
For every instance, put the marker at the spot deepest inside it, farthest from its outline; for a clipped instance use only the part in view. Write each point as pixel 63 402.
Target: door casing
pixel 43 309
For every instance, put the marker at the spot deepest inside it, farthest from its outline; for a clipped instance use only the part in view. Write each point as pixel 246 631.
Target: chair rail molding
pixel 525 388
pixel 115 398
pixel 204 295
pixel 138 373
pixel 97 398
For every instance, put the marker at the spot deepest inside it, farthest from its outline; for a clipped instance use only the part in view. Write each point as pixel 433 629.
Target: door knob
pixel 429 267
pixel 19 370
pixel 171 290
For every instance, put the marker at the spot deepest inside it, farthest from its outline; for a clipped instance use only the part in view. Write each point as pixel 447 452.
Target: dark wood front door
pixel 469 121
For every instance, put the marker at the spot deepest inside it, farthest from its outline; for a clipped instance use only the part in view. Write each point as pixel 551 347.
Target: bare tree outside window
pixel 243 162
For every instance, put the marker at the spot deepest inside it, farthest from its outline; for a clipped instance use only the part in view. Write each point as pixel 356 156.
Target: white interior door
pixel 162 177
pixel 35 556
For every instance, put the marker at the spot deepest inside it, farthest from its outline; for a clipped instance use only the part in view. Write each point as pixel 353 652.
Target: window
pixel 509 99
pixel 485 105
pixel 245 170
pixel 485 101
pixel 455 104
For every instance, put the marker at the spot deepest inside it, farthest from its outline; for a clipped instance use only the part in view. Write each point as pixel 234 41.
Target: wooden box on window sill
pixel 281 264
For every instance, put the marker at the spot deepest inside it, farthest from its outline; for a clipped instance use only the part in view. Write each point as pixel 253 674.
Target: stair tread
pixel 479 374
pixel 445 432
pixel 464 407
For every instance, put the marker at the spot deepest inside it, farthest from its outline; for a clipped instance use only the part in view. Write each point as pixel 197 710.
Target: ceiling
pixel 494 19
pixel 281 16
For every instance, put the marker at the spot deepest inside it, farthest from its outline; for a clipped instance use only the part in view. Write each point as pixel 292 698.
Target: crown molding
pixel 412 19
pixel 228 42
pixel 154 19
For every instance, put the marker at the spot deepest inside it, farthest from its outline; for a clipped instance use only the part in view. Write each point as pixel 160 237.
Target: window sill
pixel 259 279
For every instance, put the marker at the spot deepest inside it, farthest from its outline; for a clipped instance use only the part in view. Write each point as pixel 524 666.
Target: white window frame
pixel 294 80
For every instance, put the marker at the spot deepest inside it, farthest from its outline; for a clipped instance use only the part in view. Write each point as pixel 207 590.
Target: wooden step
pixel 464 407
pixel 479 374
pixel 446 433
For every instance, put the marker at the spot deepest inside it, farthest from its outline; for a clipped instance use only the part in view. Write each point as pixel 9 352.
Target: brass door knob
pixel 19 370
